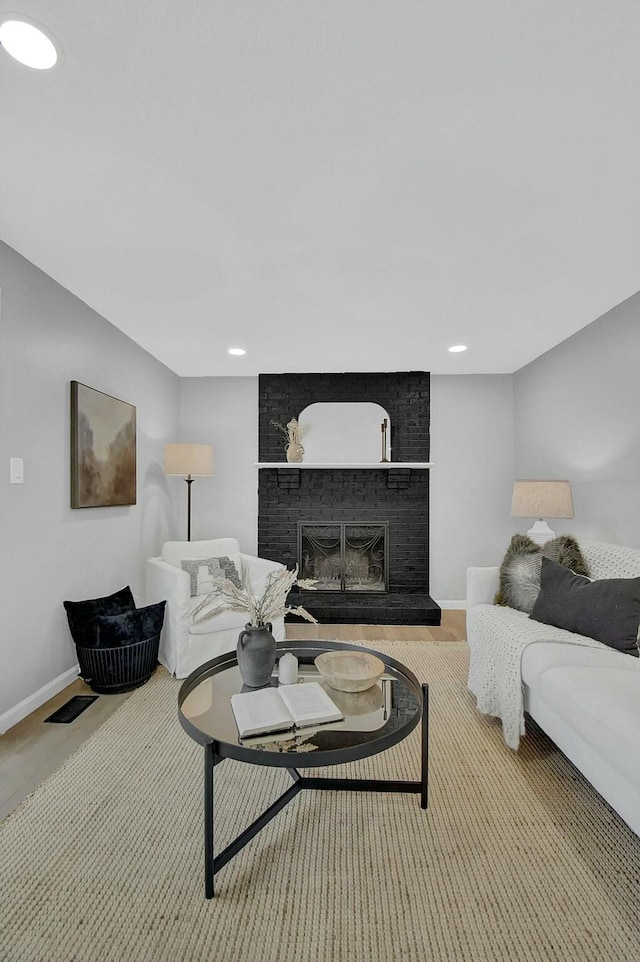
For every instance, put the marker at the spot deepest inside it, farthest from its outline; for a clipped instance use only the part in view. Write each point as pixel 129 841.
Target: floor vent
pixel 70 711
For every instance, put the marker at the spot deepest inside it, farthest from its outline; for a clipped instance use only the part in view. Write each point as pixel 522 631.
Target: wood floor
pixel 453 628
pixel 33 750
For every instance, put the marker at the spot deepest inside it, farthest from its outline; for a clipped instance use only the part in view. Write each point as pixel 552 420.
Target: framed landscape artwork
pixel 103 449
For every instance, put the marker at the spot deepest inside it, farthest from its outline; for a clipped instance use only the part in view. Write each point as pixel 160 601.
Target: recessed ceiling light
pixel 457 348
pixel 237 351
pixel 28 44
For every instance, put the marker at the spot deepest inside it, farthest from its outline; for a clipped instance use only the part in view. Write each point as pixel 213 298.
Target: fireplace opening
pixel 344 556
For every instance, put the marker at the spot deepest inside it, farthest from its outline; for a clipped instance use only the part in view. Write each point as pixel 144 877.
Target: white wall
pixel 222 411
pixel 472 477
pixel 577 416
pixel 49 552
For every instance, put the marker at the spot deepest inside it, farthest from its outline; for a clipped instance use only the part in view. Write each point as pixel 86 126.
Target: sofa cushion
pixel 607 610
pixel 602 706
pixel 204 572
pixel 520 570
pixel 540 656
pixel 128 627
pixel 500 637
pixel 80 614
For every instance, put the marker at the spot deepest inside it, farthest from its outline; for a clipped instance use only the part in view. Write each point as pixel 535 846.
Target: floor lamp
pixel 188 461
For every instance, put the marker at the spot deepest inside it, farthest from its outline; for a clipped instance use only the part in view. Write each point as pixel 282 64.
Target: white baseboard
pixel 452 605
pixel 10 718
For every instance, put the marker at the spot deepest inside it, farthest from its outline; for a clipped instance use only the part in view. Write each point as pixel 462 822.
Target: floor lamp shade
pixel 541 499
pixel 188 461
pixel 195 460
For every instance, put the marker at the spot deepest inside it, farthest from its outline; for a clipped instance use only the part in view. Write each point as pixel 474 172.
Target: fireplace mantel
pixel 384 465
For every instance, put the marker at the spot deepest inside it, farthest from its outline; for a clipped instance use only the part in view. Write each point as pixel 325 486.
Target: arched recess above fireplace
pixel 347 432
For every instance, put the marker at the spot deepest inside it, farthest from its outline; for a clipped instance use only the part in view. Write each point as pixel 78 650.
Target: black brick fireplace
pixel 351 500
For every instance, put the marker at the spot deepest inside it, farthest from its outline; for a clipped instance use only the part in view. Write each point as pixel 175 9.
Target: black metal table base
pixel 213 863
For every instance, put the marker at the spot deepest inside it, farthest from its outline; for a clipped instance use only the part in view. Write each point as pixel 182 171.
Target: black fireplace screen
pixel 344 556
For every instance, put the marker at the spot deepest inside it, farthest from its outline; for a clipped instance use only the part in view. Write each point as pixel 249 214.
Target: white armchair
pixel 183 645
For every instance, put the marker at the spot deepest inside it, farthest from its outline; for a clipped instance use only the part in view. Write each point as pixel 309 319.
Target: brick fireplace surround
pixel 289 495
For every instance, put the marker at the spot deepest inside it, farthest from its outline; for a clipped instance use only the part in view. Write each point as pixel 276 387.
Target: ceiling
pixel 337 185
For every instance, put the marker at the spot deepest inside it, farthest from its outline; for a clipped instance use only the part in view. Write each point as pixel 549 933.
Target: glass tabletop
pixel 373 720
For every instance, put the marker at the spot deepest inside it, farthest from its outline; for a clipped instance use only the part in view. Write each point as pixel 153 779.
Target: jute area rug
pixel 516 858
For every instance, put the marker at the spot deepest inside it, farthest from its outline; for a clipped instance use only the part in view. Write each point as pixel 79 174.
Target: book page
pixel 309 703
pixel 260 711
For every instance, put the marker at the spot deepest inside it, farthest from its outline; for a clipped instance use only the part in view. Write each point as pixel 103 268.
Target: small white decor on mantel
pixel 293 448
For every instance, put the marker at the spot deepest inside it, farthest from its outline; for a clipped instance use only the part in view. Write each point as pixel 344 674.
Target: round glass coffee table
pixel 374 720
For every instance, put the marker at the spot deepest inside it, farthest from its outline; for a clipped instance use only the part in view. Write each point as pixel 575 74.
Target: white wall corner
pixel 458 605
pixel 29 704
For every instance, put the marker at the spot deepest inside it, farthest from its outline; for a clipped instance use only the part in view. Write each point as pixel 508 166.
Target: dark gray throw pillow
pixel 607 610
pixel 520 569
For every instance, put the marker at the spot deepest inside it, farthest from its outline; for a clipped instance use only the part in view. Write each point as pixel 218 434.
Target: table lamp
pixel 541 499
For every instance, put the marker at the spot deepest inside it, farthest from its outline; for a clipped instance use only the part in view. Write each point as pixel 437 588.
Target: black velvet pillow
pixel 607 610
pixel 129 627
pixel 80 614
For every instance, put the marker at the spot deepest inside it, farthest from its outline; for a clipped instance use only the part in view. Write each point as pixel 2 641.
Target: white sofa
pixel 583 694
pixel 183 645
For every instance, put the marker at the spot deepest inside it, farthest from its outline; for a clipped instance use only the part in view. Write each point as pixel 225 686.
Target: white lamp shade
pixel 195 460
pixel 542 499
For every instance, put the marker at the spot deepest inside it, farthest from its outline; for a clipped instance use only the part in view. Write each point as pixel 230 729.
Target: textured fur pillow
pixel 520 570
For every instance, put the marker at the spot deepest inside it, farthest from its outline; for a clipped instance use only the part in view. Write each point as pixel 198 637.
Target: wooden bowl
pixel 349 670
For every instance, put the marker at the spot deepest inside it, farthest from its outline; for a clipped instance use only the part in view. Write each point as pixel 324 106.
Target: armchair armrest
pixel 258 569
pixel 167 583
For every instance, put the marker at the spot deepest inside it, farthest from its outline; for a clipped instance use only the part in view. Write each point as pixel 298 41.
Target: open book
pixel 283 708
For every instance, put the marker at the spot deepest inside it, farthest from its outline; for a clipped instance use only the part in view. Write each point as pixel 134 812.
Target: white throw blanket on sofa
pixel 494 668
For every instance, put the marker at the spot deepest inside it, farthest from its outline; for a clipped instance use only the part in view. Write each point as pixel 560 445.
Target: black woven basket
pixel 112 670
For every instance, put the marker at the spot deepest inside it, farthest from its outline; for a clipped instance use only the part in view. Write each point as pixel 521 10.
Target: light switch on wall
pixel 16 470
